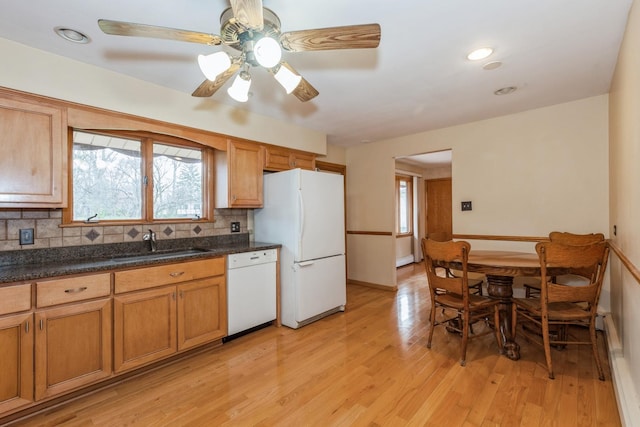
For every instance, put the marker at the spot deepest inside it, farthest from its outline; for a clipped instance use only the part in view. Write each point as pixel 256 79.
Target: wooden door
pixel 438 200
pixel 16 359
pixel 144 327
pixel 73 346
pixel 202 313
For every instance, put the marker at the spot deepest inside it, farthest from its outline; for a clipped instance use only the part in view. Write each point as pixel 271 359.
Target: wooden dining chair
pixel 562 305
pixel 451 293
pixel 475 280
pixel 532 289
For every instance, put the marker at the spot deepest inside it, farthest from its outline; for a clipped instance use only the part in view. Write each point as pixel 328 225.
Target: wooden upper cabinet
pixel 280 159
pixel 239 175
pixel 33 165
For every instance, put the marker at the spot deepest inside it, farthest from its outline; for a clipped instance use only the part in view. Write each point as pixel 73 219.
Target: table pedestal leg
pixel 501 287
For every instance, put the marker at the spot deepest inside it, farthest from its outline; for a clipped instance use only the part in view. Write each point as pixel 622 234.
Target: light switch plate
pixel 26 236
pixel 465 206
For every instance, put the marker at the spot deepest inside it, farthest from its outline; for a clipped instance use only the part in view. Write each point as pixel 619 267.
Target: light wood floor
pixel 366 367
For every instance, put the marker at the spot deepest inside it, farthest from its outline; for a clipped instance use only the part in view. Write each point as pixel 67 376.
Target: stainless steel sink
pixel 163 254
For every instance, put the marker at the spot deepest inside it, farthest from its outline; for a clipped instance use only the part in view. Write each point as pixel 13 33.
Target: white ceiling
pixel 418 79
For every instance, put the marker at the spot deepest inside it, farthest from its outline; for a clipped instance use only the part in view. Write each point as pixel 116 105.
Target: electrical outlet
pixel 235 227
pixel 465 206
pixel 26 236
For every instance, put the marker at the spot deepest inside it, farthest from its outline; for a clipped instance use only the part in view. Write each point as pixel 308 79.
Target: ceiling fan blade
pixel 305 92
pixel 347 37
pixel 208 87
pixel 119 28
pixel 248 13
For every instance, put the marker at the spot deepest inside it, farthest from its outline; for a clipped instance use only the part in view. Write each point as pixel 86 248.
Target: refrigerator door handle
pixel 301 231
pixel 305 263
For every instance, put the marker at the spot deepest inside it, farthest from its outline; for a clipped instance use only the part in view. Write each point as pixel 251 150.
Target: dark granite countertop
pixel 26 265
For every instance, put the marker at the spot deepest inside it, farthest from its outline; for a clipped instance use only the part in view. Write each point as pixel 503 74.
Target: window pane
pixel 403 208
pixel 177 182
pixel 106 177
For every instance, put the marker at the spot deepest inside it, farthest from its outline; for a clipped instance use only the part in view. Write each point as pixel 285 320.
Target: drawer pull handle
pixel 75 290
pixel 176 273
pixel 255 257
pixel 26 327
pixel 41 324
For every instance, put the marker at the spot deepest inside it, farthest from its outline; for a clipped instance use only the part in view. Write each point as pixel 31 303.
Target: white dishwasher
pixel 251 290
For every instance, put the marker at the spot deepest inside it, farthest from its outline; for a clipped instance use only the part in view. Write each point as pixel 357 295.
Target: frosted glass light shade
pixel 267 52
pixel 287 78
pixel 239 90
pixel 213 65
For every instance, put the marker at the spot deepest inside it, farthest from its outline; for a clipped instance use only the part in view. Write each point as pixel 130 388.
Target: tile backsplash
pixel 49 234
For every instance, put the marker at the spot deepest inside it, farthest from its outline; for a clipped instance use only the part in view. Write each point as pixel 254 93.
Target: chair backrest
pixel 435 254
pixel 555 258
pixel 567 238
pixel 440 236
pixel 575 239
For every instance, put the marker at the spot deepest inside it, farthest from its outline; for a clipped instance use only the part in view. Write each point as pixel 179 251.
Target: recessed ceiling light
pixel 505 90
pixel 481 53
pixel 71 35
pixel 492 65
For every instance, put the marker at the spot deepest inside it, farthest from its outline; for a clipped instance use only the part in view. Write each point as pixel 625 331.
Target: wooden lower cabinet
pixel 153 324
pixel 16 361
pixel 202 313
pixel 73 346
pixel 144 327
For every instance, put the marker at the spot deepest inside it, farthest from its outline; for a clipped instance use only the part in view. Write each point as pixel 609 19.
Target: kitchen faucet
pixel 151 238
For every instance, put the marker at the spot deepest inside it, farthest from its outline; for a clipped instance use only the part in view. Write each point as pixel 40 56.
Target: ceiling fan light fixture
pixel 287 78
pixel 214 64
pixel 267 52
pixel 239 90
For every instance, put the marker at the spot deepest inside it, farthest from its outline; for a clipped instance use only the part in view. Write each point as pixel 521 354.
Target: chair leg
pixel 594 347
pixel 465 337
pixel 547 346
pixel 514 320
pixel 496 321
pixel 432 326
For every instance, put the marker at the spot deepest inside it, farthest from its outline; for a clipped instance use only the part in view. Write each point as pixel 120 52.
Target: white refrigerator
pixel 304 211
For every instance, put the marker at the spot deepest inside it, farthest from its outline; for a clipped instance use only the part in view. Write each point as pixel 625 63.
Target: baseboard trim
pixel 624 388
pixel 372 285
pixel 405 260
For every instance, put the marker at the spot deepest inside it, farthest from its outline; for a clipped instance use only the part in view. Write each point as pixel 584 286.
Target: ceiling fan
pixel 254 31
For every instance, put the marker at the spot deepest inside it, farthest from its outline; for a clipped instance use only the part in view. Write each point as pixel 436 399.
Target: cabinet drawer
pixel 150 277
pixel 61 291
pixel 14 299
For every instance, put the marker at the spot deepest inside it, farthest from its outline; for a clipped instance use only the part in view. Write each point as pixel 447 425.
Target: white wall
pixel 624 116
pixel 42 73
pixel 527 174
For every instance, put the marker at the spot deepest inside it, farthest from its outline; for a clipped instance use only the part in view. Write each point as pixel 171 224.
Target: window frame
pixel 409 207
pixel 147 139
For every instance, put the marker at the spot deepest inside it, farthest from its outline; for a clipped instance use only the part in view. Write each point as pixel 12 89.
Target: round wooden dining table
pixel 501 267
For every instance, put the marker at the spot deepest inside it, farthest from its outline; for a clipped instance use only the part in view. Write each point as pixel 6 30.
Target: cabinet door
pixel 303 161
pixel 276 159
pixel 33 162
pixel 144 327
pixel 202 314
pixel 73 346
pixel 245 174
pixel 16 360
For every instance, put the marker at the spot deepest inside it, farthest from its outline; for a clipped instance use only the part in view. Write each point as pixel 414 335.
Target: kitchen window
pixel 131 177
pixel 404 205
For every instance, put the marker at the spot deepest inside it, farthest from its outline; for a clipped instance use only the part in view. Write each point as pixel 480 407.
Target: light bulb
pixel 239 90
pixel 267 52
pixel 213 65
pixel 287 78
